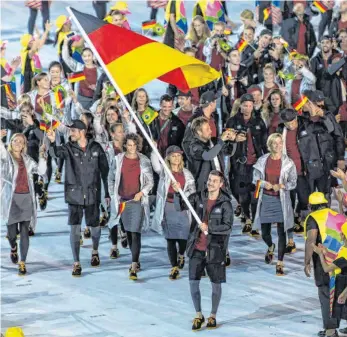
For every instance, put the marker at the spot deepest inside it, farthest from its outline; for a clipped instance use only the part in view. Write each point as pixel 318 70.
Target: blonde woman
pixel 176 224
pixel 276 174
pixel 197 35
pixel 18 194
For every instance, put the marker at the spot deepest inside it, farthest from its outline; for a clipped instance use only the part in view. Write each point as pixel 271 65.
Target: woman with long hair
pixel 176 224
pixel 275 174
pixel 140 101
pixel 197 34
pixel 18 197
pixel 83 89
pixel 274 103
pixel 115 147
pixel 130 181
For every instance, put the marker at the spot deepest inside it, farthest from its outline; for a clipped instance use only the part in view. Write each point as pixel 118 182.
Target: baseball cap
pixel 207 97
pixel 173 149
pixel 246 98
pixel 77 124
pixel 184 94
pixel 325 37
pixel 316 96
pixel 288 115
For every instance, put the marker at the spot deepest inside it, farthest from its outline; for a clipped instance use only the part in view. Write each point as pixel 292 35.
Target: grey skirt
pixel 271 209
pixel 86 102
pixel 21 208
pixel 133 216
pixel 175 224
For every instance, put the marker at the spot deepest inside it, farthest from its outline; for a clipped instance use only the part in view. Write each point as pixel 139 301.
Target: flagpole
pixel 121 95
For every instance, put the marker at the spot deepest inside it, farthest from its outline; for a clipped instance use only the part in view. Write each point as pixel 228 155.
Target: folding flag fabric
pixel 224 45
pixel 241 45
pixel 266 12
pixel 149 115
pixel 320 6
pixel 147 25
pixel 159 29
pixel 76 77
pixel 300 103
pixel 11 99
pixel 59 98
pixel 133 59
pixel 180 15
pixel 54 124
pixel 276 12
pixel 121 208
pixel 257 189
pixel 43 126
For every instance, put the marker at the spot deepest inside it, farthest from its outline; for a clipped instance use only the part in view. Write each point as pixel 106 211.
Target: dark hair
pixel 114 126
pixel 218 174
pixel 105 122
pixel 87 48
pixel 166 98
pixel 135 138
pixel 249 27
pixel 318 206
pixel 55 64
pixel 90 132
pixel 197 124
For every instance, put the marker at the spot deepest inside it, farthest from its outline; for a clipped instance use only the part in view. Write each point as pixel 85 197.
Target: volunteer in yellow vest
pixel 31 64
pixel 8 96
pixel 315 233
pixel 339 267
pixel 63 24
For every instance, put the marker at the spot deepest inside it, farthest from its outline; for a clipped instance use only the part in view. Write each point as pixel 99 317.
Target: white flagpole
pixel 121 95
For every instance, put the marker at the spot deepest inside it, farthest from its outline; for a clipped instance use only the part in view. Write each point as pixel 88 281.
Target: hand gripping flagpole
pixel 121 95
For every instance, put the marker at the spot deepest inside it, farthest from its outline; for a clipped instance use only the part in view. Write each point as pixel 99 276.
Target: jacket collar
pixel 223 196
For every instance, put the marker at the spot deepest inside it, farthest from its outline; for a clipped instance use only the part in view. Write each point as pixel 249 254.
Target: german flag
pixel 59 99
pixel 321 7
pixel 241 45
pixel 121 208
pixel 134 60
pixel 43 126
pixel 266 12
pixel 257 189
pixel 147 25
pixel 76 77
pixel 54 124
pixel 300 103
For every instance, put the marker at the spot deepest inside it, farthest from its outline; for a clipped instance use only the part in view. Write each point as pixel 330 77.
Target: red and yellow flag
pixel 241 45
pixel 300 103
pixel 43 126
pixel 257 189
pixel 121 208
pixel 134 60
pixel 54 124
pixel 321 7
pixel 266 12
pixel 59 99
pixel 147 25
pixel 76 77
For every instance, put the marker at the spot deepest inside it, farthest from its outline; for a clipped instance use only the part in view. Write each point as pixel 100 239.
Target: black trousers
pixel 322 184
pixel 172 250
pixel 324 299
pixel 33 15
pixel 301 192
pixel 266 235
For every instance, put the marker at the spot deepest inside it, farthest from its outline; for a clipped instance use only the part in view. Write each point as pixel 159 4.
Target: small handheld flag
pixel 227 31
pixel 159 29
pixel 224 45
pixel 43 126
pixel 266 12
pixel 59 99
pixel 241 45
pixel 76 77
pixel 257 189
pixel 121 208
pixel 300 103
pixel 149 116
pixel 54 124
pixel 147 25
